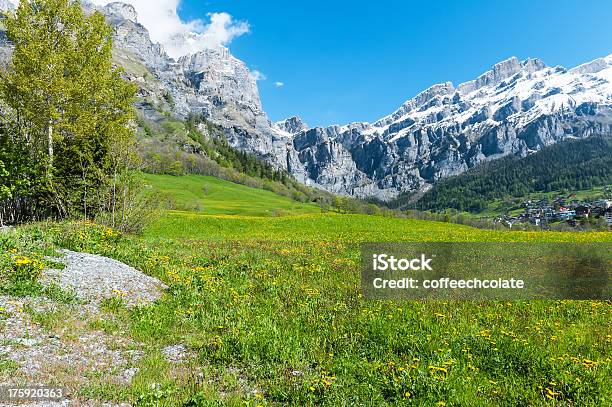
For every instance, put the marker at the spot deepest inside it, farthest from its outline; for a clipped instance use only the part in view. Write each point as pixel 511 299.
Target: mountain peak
pixel 531 65
pixel 506 65
pixel 292 125
pixel 500 72
pixel 594 66
pixel 120 11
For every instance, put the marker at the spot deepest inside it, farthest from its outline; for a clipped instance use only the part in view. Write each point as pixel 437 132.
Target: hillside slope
pixel 573 165
pixel 213 196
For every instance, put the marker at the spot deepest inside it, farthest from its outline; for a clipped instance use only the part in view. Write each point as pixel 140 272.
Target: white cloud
pixel 180 37
pixel 223 29
pixel 258 76
pixel 279 84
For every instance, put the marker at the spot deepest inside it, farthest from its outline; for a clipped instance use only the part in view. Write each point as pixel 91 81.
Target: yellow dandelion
pixel 22 261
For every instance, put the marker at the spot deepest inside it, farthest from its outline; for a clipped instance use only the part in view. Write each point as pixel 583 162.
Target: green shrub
pixel 21 265
pixel 24 269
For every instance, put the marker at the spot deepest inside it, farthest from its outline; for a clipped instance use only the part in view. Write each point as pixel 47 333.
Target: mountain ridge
pixel 518 107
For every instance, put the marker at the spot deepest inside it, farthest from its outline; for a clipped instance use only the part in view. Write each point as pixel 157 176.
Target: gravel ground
pixel 175 353
pixel 95 278
pixel 49 343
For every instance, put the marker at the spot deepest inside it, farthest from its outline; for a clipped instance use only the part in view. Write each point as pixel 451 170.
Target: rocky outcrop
pixel 94 279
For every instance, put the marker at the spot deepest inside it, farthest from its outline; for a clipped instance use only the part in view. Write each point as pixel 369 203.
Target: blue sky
pixel 344 61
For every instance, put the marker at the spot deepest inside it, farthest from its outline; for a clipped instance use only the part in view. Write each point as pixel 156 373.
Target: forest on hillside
pixel 571 165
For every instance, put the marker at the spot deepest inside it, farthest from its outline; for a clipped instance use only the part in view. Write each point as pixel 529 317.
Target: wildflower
pixel 437 369
pixel 551 394
pixel 22 261
pixel 118 293
pixel 589 363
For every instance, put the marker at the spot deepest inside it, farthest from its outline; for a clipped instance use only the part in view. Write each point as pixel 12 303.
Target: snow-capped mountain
pixel 516 108
pixel 518 92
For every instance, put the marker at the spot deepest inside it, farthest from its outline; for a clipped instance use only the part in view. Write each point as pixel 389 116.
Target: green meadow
pixel 265 295
pixel 213 196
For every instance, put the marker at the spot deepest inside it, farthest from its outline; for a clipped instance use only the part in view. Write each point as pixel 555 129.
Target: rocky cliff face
pixel 212 83
pixel 293 125
pixel 515 108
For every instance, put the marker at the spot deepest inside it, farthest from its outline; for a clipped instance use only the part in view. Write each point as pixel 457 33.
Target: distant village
pixel 563 211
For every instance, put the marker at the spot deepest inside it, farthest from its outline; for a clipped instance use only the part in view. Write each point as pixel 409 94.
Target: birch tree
pixel 69 101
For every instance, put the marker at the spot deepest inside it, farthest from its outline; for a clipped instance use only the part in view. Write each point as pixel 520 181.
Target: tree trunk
pixel 124 206
pixel 114 203
pixel 84 192
pixel 50 148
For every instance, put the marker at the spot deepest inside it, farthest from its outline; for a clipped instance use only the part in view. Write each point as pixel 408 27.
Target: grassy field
pixel 271 313
pixel 332 227
pixel 213 196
